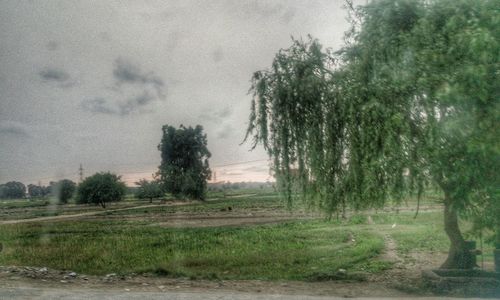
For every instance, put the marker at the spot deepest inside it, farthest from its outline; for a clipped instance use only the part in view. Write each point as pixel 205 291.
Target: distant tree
pixel 13 189
pixel 148 190
pixel 36 190
pixel 64 190
pixel 184 169
pixel 100 189
pixel 411 100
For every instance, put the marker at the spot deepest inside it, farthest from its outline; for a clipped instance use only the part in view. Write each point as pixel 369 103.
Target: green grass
pixel 246 203
pixel 23 203
pixel 298 250
pixel 308 250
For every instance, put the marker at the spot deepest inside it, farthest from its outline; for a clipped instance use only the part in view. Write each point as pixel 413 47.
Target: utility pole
pixel 80 172
pixel 215 177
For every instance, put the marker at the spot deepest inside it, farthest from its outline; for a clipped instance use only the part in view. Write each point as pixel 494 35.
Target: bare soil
pixel 12 277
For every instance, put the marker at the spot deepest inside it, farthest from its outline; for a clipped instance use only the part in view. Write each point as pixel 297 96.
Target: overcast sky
pixel 92 82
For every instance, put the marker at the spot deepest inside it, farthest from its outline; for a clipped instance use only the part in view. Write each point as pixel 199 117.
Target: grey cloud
pixel 288 16
pixel 256 169
pixel 225 172
pixel 225 131
pixel 104 36
pixel 263 8
pixel 126 72
pixel 267 10
pixel 56 75
pixel 224 113
pixel 218 55
pixel 100 105
pixel 13 129
pixel 52 45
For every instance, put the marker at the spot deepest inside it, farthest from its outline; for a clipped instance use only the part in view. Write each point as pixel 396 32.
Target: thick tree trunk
pixel 150 200
pixel 459 257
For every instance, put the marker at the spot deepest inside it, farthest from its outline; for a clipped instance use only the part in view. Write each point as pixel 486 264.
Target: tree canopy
pixel 184 168
pixel 100 189
pixel 410 100
pixel 38 190
pixel 12 190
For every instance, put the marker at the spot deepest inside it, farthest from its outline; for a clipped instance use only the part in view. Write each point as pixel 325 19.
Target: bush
pixel 101 188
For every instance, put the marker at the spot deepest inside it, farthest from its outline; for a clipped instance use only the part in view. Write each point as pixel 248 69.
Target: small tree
pixel 184 169
pixel 101 188
pixel 64 190
pixel 148 190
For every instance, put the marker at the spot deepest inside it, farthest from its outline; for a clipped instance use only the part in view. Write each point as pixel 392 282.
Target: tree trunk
pixel 459 257
pixel 150 200
pixel 103 204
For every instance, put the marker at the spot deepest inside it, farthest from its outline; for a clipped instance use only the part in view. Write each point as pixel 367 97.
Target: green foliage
pixel 101 188
pixel 63 190
pixel 184 166
pixel 12 190
pixel 37 191
pixel 148 189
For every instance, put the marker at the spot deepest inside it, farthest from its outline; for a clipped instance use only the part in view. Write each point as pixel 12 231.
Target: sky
pixel 93 82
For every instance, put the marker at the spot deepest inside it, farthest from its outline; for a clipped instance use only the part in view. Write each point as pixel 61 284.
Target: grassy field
pixel 297 250
pixel 133 241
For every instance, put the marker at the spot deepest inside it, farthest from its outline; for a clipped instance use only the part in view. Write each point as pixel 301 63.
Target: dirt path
pixel 16 278
pixel 75 216
pixel 390 253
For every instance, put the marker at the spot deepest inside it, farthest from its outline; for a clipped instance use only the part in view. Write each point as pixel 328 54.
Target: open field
pixel 245 236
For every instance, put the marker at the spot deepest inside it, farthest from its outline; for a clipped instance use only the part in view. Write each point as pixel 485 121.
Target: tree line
pixel 183 173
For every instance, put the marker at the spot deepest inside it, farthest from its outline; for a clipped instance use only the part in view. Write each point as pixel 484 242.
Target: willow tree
pixel 411 100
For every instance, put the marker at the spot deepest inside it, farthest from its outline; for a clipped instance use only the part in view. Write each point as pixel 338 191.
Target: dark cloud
pixel 126 72
pixel 217 55
pixel 145 87
pixel 56 75
pixel 217 116
pixel 135 103
pixel 52 74
pixel 13 129
pixel 98 105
